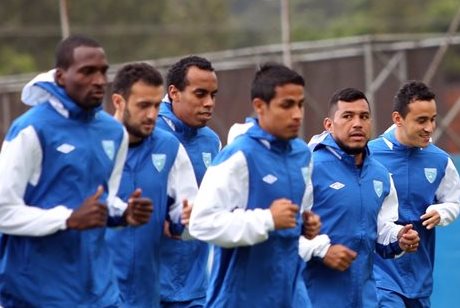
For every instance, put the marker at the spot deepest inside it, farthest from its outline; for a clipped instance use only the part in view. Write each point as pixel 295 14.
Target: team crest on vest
pixel 158 161
pixel 378 188
pixel 305 174
pixel 430 174
pixel 206 158
pixel 109 148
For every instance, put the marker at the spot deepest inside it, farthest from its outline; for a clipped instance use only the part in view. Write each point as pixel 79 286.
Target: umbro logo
pixel 337 185
pixel 270 179
pixel 65 148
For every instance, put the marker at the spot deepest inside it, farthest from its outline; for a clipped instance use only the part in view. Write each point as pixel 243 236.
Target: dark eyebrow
pixel 354 112
pixel 293 101
pixel 200 90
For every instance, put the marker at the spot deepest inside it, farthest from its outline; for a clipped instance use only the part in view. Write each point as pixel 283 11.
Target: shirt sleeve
pixel 307 200
pixel 448 196
pixel 316 247
pixel 220 215
pixel 115 205
pixel 20 163
pixel 181 183
pixel 387 238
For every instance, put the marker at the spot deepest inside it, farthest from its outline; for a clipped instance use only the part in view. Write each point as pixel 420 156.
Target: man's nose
pixel 357 122
pixel 152 113
pixel 430 126
pixel 297 113
pixel 209 101
pixel 100 79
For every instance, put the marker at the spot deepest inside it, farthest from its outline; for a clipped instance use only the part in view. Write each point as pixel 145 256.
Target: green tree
pixel 14 62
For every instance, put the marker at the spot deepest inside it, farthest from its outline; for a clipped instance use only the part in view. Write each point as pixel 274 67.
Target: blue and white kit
pixel 159 166
pixel 183 269
pixel 253 263
pixel 425 179
pixel 358 207
pixel 55 156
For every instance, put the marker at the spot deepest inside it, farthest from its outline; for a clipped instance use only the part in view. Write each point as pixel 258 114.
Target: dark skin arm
pixel 91 214
pixel 139 209
pixel 339 257
pixel 185 219
pixel 284 213
pixel 311 224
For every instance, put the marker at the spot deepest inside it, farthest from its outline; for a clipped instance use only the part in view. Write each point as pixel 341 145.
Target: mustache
pixel 149 122
pixel 357 132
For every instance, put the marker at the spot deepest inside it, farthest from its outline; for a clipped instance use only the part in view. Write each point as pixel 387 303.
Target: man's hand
pixel 431 219
pixel 167 231
pixel 139 209
pixel 186 212
pixel 408 239
pixel 91 214
pixel 339 257
pixel 284 213
pixel 311 224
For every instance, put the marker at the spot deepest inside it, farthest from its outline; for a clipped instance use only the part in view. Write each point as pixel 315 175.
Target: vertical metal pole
pixel 65 29
pixel 286 33
pixel 6 110
pixel 369 79
pixel 402 73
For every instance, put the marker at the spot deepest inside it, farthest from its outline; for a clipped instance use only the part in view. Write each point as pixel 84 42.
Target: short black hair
pixel 272 75
pixel 348 95
pixel 409 92
pixel 129 74
pixel 178 71
pixel 65 49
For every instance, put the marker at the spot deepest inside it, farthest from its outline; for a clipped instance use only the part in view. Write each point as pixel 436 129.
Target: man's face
pixel 416 128
pixel 85 79
pixel 141 110
pixel 282 116
pixel 350 125
pixel 195 104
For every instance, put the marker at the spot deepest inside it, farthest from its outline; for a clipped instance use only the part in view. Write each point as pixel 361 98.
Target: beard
pixel 134 130
pixel 351 150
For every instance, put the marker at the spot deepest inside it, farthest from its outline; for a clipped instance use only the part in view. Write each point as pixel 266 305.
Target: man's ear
pixel 118 101
pixel 59 76
pixel 327 123
pixel 173 93
pixel 259 106
pixel 397 118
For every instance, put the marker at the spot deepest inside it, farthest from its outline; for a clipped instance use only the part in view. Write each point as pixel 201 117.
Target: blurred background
pixel 368 44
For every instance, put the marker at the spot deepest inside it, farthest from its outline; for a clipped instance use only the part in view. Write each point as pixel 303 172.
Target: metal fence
pixel 375 64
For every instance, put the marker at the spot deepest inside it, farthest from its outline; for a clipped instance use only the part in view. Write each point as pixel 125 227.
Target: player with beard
pixel 159 165
pixel 355 197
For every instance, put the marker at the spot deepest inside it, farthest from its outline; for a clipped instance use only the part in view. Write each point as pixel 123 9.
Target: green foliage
pixel 146 29
pixel 13 62
pixel 335 18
